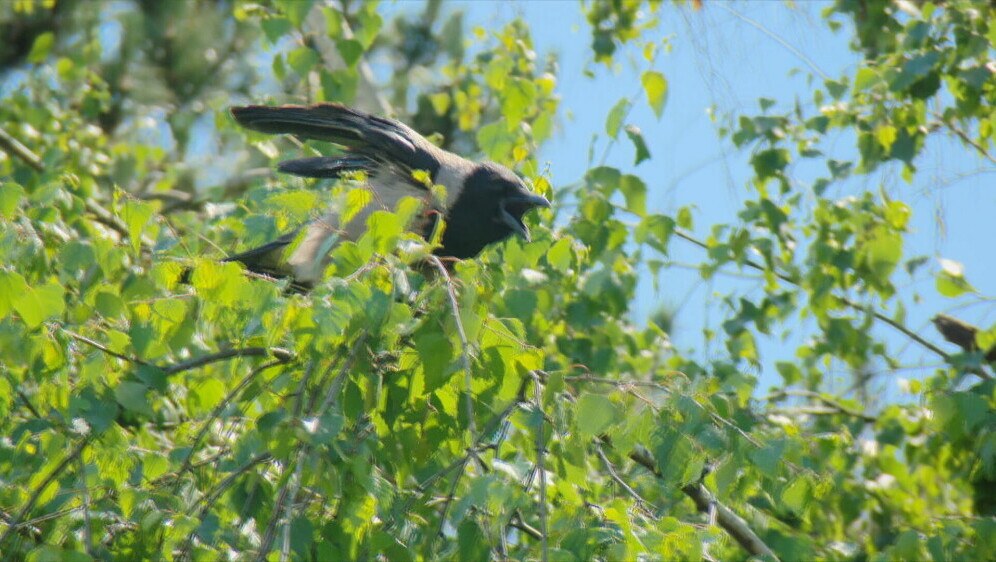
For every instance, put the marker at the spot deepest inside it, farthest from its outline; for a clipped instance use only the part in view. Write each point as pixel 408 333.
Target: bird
pixel 484 203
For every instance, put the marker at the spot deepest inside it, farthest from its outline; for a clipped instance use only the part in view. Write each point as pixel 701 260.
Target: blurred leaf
pixel 655 86
pixel 635 135
pixel 615 118
pixel 37 304
pixel 41 48
pixel 594 414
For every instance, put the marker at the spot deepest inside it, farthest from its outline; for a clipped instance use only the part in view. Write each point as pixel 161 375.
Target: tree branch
pixel 729 521
pixel 11 145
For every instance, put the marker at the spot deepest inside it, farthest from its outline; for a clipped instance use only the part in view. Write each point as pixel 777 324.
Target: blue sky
pixel 722 59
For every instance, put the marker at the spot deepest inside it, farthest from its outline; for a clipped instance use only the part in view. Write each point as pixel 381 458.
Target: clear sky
pixel 724 57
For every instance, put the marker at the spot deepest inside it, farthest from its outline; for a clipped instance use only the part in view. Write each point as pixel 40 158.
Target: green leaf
pixel 914 69
pixel 302 60
pixel 595 413
pixel 10 198
pixel 495 140
pixel 137 217
pixel 881 253
pixel 768 457
pixel 518 98
pixel 133 396
pixel 351 51
pixel 37 304
pixel 678 458
pixel 560 255
pixel 655 85
pixel 951 282
pixel 613 122
pixel 299 203
pixel 296 10
pixel 886 135
pixel 635 192
pixel 41 48
pixel 771 162
pixel 636 136
pixel 655 230
pixel 275 28
pixel 435 353
pixel 12 286
pixel 797 495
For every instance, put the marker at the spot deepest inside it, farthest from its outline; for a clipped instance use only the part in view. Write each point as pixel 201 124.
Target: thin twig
pixel 623 386
pixel 518 523
pixel 282 355
pixel 87 525
pixel 104 348
pixel 846 301
pixel 30 504
pixel 642 503
pixel 215 413
pixel 541 470
pixel 461 465
pixel 836 406
pixel 964 137
pixel 27 402
pixel 464 347
pixel 332 396
pixel 209 498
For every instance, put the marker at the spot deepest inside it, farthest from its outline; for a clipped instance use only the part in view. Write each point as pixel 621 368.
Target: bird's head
pixel 488 209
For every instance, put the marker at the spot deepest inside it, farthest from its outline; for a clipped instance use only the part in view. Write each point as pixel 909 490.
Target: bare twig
pixel 642 503
pixel 834 405
pixel 97 345
pixel 729 521
pixel 949 124
pixel 464 347
pixel 518 523
pixel 281 355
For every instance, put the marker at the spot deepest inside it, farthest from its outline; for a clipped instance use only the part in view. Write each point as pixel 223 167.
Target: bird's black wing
pixel 369 136
pixel 327 166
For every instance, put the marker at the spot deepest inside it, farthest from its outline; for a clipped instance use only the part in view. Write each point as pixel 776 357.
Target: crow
pixel 484 202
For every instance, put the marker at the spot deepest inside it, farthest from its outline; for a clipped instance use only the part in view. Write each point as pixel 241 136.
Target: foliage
pixel 512 409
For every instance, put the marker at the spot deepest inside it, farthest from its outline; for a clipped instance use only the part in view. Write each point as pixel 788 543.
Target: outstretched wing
pixel 369 136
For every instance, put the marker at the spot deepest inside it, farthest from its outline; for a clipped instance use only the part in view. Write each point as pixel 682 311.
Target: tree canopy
pixel 512 407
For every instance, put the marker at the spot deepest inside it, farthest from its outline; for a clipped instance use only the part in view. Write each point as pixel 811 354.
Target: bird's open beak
pixel 520 203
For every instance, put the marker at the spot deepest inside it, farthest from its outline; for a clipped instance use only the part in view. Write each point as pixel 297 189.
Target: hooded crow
pixel 485 202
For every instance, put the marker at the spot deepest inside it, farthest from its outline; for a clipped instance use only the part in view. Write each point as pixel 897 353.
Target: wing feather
pixel 374 137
